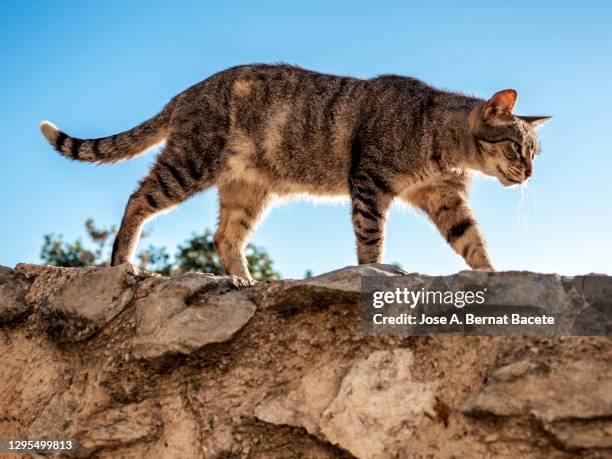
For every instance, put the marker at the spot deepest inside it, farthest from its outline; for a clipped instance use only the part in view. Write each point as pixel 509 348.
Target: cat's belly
pixel 282 182
pixel 311 174
pixel 292 188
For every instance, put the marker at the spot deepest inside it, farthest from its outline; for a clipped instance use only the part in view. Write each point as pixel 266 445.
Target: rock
pixel 372 411
pixel 340 286
pixel 575 435
pixel 184 314
pixel 138 422
pixel 46 280
pixel 517 369
pixel 303 406
pixel 33 372
pixel 349 279
pixel 219 443
pixel 181 432
pixel 596 318
pixel 13 288
pixel 87 302
pixel 86 414
pixel 379 406
pixel 596 289
pixel 503 292
pixel 572 400
pixel 296 376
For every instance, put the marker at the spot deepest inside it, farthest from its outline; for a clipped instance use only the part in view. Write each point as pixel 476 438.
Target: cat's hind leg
pixel 175 177
pixel 241 206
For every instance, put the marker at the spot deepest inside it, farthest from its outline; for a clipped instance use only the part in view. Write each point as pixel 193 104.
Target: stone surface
pixel 46 280
pixel 340 286
pixel 349 279
pixel 33 372
pixel 87 301
pixel 13 288
pixel 184 314
pixel 571 400
pixel 303 406
pixel 371 411
pixel 580 305
pixel 181 434
pixel 136 365
pixel 93 430
pixel 379 406
pixel 596 318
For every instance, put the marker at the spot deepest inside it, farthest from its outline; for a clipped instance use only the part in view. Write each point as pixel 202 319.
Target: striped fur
pixel 445 203
pixel 108 150
pixel 262 131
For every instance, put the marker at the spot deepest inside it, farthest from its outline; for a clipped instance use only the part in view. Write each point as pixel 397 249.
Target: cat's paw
pixel 488 268
pixel 482 265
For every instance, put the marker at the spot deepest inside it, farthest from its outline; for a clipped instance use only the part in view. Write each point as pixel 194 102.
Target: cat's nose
pixel 528 172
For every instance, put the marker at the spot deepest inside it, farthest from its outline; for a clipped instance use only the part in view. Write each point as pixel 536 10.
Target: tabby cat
pixel 262 131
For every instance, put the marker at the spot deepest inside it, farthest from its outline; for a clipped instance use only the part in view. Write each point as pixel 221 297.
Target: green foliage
pixel 199 254
pixel 196 254
pixel 155 259
pixel 59 253
pixel 260 263
pixel 56 252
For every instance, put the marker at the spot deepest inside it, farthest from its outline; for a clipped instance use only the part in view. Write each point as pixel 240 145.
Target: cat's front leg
pixel 448 209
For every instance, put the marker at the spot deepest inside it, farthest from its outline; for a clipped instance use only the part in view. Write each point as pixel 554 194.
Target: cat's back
pixel 293 123
pixel 313 98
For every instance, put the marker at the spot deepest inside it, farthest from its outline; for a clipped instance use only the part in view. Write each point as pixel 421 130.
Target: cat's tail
pixel 107 150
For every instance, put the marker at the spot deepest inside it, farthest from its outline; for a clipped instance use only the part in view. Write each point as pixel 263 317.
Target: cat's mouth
pixel 505 179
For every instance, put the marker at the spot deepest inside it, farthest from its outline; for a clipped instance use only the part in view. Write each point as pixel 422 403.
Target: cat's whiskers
pixel 522 211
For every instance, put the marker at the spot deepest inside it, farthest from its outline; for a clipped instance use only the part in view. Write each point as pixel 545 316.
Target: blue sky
pixel 96 68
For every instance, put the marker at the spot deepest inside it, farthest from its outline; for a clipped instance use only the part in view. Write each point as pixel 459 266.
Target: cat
pixel 261 131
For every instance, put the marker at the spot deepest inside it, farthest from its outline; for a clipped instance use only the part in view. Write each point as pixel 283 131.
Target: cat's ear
pixel 536 121
pixel 499 106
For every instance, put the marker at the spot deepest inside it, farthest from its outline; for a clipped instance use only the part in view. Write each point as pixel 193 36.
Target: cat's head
pixel 506 143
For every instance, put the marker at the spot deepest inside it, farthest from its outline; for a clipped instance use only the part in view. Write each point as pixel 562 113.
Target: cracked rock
pixel 340 286
pixel 372 411
pixel 309 383
pixel 379 406
pixel 88 301
pixel 86 414
pixel 13 288
pixel 571 400
pixel 304 405
pixel 181 315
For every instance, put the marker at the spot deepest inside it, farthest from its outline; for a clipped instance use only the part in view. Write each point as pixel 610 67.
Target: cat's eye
pixel 515 153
